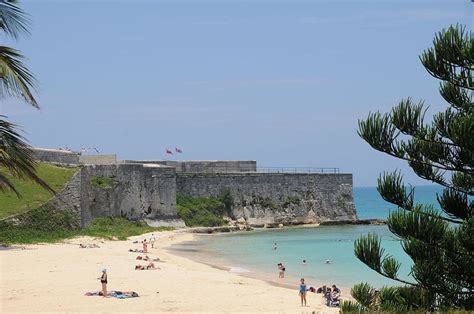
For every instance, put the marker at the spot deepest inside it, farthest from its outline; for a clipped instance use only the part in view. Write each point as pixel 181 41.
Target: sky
pixel 280 82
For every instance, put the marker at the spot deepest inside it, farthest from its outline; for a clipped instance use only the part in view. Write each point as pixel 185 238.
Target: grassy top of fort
pixel 33 195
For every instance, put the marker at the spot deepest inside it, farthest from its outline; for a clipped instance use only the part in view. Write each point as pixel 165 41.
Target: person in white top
pixel 152 240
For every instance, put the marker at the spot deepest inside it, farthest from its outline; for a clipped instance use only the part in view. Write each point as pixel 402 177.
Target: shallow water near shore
pixel 252 253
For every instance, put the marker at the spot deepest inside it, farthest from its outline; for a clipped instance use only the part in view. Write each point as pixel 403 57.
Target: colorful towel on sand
pixel 123 294
pixel 115 294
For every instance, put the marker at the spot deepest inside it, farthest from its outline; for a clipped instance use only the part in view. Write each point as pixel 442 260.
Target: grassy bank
pixel 50 227
pixel 33 195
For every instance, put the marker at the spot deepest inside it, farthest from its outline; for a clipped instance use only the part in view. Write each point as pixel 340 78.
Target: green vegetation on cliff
pixel 42 224
pixel 202 211
pixel 102 182
pixel 46 225
pixel 32 194
pixel 118 228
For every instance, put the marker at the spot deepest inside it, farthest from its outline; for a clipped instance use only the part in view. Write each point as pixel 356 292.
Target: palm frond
pixel 13 20
pixel 15 79
pixel 16 157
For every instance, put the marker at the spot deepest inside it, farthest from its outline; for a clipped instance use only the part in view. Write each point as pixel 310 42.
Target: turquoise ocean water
pixel 253 251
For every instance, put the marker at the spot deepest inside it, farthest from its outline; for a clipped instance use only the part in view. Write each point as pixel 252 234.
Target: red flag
pixel 178 150
pixel 169 152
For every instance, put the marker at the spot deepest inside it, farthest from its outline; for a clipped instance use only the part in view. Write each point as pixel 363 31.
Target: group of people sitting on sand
pixel 332 295
pixel 150 266
pixel 146 258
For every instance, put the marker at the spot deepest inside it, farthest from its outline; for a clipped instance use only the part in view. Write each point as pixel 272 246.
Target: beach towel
pixel 123 295
pixel 115 294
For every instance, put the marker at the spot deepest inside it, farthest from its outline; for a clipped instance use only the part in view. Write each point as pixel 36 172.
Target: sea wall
pixel 205 166
pixel 265 198
pixel 134 191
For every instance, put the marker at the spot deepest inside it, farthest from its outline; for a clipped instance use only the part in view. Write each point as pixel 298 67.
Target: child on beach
pixel 103 281
pixel 302 292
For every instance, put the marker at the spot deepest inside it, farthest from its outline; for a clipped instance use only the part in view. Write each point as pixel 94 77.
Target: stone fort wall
pixel 262 198
pixel 56 156
pixel 146 190
pixel 135 191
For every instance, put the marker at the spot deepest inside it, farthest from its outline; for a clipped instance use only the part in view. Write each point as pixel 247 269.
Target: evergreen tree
pixel 439 241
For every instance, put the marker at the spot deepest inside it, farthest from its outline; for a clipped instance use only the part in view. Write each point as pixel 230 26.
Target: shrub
pixel 102 182
pixel 200 211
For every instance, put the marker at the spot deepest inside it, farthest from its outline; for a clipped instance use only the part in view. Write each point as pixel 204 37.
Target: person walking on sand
pixel 303 291
pixel 145 246
pixel 103 281
pixel 152 240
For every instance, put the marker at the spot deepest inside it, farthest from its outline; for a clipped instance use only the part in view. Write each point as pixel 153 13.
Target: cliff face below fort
pixel 277 198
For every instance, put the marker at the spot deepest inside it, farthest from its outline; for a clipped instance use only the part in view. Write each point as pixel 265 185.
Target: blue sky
pixel 281 82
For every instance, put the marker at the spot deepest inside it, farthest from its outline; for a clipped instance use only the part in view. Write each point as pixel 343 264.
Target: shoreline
pixel 54 277
pixel 225 264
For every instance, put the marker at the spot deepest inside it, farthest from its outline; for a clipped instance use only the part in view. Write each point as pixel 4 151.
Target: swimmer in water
pixel 328 261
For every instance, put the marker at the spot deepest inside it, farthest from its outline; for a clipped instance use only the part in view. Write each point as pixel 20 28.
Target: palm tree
pixel 16 155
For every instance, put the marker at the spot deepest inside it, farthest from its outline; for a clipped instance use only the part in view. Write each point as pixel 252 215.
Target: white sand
pixel 55 277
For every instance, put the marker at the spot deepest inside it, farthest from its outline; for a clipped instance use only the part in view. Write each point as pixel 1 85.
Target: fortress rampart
pixel 288 198
pixel 146 190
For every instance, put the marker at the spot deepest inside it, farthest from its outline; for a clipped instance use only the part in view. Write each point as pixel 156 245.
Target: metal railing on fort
pixel 297 170
pixel 233 169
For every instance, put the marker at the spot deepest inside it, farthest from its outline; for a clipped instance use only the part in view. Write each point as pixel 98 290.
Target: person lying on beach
pixel 302 292
pixel 150 266
pixel 136 251
pixel 147 258
pixel 88 246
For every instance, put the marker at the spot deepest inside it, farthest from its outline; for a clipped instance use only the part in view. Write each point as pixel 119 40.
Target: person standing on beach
pixel 145 246
pixel 281 270
pixel 152 240
pixel 303 291
pixel 103 281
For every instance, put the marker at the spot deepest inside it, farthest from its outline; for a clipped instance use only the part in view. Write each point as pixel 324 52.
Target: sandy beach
pixel 55 277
